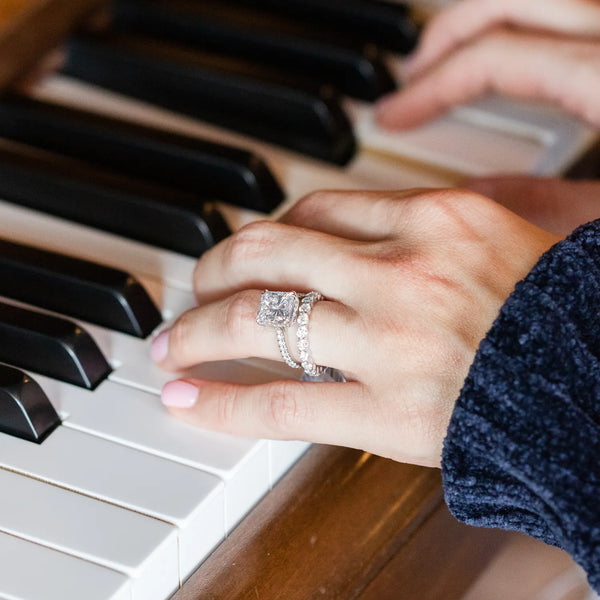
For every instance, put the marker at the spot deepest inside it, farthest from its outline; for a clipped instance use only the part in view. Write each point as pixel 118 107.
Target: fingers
pixel 267 255
pixel 523 66
pixel 556 205
pixel 465 20
pixel 227 329
pixel 318 412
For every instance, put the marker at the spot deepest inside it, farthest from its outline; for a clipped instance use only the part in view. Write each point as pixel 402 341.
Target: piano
pixel 104 495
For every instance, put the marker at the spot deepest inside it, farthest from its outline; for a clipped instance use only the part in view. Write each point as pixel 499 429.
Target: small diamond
pixel 277 309
pixel 302 319
pixel 302 332
pixel 303 344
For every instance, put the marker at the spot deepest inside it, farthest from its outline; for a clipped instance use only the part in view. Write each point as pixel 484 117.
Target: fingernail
pixel 160 346
pixel 179 394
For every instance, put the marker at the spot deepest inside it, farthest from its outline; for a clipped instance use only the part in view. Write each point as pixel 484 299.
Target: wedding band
pixel 279 310
pixel 308 301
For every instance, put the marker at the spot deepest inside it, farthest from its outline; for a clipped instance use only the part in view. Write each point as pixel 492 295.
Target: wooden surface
pixel 31 28
pixel 347 525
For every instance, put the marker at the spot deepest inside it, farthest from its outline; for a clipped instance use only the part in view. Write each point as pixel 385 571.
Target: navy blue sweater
pixel 523 446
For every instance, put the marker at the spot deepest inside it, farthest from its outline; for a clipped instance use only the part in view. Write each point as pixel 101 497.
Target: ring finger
pixel 227 329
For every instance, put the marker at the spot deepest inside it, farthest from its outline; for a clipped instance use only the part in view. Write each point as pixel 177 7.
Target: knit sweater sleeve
pixel 523 446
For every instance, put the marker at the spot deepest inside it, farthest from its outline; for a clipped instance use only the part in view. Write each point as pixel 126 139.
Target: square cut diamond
pixel 277 309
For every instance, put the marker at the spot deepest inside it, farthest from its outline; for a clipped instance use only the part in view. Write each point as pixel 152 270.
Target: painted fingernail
pixel 160 346
pixel 179 394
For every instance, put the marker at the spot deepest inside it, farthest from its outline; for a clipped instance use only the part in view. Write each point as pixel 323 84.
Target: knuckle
pixel 240 311
pixel 226 408
pixel 251 242
pixel 454 209
pixel 307 207
pixel 284 409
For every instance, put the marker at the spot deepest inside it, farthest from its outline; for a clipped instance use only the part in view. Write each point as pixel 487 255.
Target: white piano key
pixel 282 455
pixel 190 499
pixel 479 141
pixel 29 571
pixel 491 136
pixel 142 548
pixel 138 419
pixel 564 136
pixel 481 151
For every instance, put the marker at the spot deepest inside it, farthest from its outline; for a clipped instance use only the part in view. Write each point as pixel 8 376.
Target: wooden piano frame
pixel 342 524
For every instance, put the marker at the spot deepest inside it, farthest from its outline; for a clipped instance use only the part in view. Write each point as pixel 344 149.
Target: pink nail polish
pixel 179 394
pixel 160 346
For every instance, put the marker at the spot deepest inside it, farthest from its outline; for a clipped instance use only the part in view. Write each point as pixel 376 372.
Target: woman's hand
pixel 534 49
pixel 556 205
pixel 412 282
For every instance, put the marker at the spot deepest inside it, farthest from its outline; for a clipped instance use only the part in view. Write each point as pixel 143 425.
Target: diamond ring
pixel 308 301
pixel 279 310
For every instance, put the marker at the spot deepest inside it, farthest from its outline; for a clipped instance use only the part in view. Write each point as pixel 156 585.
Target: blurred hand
pixel 412 283
pixel 534 49
pixel 556 205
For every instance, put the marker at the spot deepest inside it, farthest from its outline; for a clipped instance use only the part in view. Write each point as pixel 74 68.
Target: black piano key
pixel 355 69
pixel 25 411
pixel 76 288
pixel 50 345
pixel 205 169
pixel 386 24
pixel 266 103
pixel 74 191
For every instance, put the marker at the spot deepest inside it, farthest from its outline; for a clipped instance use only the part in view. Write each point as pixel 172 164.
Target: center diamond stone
pixel 277 309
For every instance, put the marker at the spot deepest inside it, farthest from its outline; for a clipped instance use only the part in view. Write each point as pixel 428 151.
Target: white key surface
pixel 188 498
pixel 30 571
pixel 142 548
pixel 137 419
pixel 493 136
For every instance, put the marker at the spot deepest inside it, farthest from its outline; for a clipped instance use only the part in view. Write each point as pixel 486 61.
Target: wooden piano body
pixel 341 524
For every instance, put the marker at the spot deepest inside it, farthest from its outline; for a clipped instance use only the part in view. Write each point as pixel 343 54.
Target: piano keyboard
pixel 120 499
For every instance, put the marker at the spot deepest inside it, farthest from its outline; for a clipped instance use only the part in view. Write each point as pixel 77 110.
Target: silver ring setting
pixel 308 301
pixel 279 310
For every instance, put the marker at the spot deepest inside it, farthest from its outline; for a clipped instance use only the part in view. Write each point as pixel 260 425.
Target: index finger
pixel 467 19
pixel 516 64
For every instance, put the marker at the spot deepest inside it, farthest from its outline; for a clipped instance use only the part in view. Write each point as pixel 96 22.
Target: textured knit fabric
pixel 523 446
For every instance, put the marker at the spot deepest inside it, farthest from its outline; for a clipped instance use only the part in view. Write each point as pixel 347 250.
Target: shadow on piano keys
pixel 120 500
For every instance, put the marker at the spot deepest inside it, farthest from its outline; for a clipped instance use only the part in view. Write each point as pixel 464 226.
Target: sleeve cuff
pixel 523 446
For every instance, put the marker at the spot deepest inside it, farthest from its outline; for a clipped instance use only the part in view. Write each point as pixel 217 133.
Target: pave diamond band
pixel 308 301
pixel 283 349
pixel 279 310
